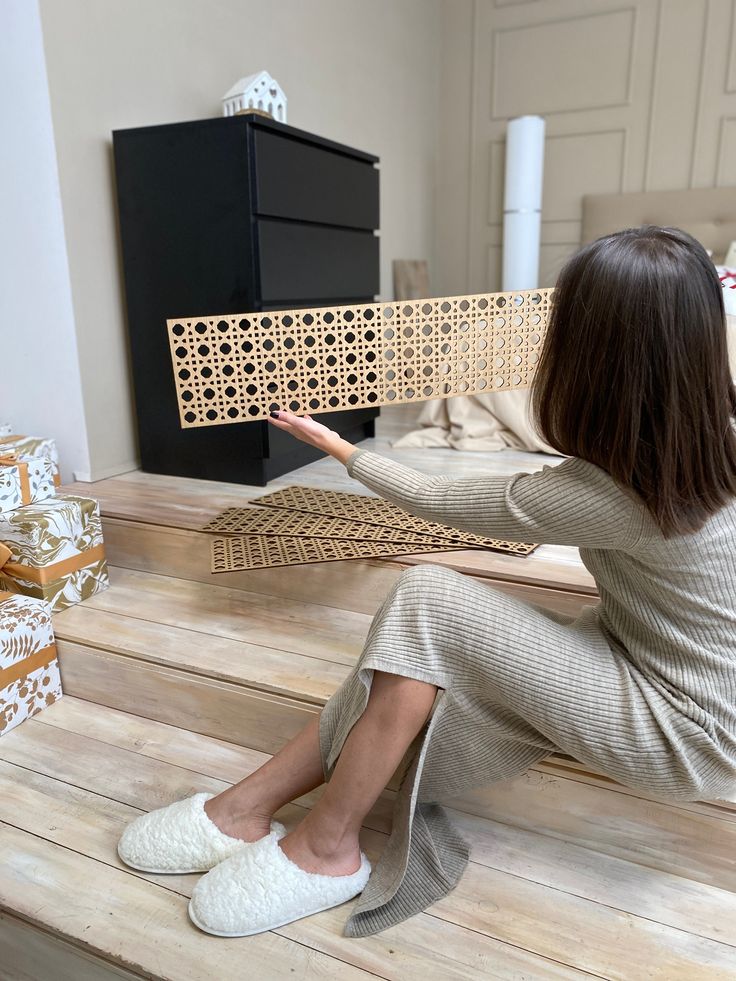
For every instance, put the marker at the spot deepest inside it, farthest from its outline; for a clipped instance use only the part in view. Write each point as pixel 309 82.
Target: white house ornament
pixel 259 93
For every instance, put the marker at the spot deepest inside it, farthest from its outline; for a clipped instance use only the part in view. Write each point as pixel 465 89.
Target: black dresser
pixel 227 216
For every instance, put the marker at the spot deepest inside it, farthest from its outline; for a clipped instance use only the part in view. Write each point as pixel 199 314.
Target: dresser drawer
pixel 310 262
pixel 309 183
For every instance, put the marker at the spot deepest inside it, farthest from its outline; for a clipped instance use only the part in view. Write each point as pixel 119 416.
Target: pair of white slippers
pixel 250 887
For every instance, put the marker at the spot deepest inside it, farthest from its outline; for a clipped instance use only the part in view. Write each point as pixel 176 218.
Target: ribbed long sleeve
pixel 575 503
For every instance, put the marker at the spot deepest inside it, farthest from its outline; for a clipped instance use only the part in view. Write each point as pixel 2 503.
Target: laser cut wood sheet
pixel 238 367
pixel 376 511
pixel 238 553
pixel 277 521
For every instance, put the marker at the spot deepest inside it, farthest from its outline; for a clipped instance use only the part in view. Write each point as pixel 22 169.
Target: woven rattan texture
pixel 236 554
pixel 238 367
pixel 277 521
pixel 376 511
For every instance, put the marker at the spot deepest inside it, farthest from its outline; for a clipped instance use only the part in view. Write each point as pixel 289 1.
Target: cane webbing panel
pixel 236 554
pixel 238 367
pixel 277 521
pixel 376 511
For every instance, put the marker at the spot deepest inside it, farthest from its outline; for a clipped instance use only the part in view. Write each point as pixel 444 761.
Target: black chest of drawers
pixel 225 216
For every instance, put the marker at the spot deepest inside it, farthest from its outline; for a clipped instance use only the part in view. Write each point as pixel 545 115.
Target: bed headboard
pixel 708 214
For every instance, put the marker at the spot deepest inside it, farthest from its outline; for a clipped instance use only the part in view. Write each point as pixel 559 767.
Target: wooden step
pixel 538 902
pixel 246 667
pixel 224 661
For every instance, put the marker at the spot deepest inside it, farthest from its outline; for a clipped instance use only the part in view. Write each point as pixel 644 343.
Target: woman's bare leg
pixel 326 841
pixel 245 809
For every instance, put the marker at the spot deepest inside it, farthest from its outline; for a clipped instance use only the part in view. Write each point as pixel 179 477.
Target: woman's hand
pixel 308 431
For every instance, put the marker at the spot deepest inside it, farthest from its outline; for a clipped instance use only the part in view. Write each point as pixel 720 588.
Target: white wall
pixel 40 386
pixel 363 72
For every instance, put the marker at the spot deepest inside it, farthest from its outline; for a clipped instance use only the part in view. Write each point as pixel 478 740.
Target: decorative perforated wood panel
pixel 234 554
pixel 277 521
pixel 237 368
pixel 376 511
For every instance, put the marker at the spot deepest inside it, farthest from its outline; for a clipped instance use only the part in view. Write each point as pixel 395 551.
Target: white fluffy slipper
pixel 180 838
pixel 261 889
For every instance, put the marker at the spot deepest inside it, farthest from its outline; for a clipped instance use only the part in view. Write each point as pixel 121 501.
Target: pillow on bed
pixel 727 277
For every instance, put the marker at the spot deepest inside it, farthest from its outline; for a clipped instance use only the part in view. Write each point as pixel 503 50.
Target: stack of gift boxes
pixel 51 556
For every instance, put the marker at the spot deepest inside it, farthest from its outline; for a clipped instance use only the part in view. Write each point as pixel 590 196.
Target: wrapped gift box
pixel 29 670
pixel 30 448
pixel 25 481
pixel 54 551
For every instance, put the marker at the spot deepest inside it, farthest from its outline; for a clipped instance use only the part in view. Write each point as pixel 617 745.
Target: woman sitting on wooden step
pixel 472 686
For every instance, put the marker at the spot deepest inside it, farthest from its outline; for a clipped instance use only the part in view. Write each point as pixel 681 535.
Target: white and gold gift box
pixel 26 448
pixel 29 669
pixel 25 482
pixel 54 551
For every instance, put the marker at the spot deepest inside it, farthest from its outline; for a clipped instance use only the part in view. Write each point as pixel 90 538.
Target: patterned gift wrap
pixel 29 670
pixel 25 481
pixel 54 551
pixel 30 448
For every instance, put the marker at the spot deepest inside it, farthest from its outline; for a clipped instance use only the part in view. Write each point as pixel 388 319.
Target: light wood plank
pixel 306 677
pixel 696 845
pixel 508 908
pixel 207 705
pixel 355 585
pixel 269 621
pixel 399 953
pixel 30 954
pixel 616 881
pixel 100 907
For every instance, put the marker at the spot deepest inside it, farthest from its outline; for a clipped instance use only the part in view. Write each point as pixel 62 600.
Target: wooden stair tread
pixel 187 504
pixel 73 776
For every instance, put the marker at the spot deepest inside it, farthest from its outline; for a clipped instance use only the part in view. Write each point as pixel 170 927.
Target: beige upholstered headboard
pixel 708 214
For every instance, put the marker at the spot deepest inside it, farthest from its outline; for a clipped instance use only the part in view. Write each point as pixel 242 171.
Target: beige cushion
pixel 708 214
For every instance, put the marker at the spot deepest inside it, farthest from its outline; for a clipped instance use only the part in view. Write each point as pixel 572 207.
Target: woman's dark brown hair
pixel 634 373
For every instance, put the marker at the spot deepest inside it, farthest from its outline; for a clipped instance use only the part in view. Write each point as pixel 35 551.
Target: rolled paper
pixel 522 218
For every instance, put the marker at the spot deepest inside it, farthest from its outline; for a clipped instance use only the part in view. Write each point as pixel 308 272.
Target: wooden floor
pixel 177 681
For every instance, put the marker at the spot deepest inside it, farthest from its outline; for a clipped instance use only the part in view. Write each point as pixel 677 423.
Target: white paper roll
pixel 523 202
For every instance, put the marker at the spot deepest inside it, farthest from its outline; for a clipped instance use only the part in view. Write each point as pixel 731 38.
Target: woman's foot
pixel 315 849
pixel 235 818
pixel 180 838
pixel 260 888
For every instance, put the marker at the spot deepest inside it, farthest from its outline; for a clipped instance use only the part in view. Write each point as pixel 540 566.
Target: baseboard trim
pixel 91 476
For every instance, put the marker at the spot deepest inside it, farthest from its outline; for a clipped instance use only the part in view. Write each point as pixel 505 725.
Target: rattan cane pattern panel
pixel 235 554
pixel 238 367
pixel 376 511
pixel 277 521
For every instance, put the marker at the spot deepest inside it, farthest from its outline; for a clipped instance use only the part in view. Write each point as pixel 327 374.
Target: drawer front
pixel 307 183
pixel 310 262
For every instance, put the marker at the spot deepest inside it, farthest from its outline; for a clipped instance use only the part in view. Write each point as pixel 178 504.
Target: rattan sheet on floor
pixel 239 553
pixel 278 521
pixel 376 511
pixel 303 524
pixel 238 367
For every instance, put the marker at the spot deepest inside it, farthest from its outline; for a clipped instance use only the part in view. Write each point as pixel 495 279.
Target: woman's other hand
pixel 308 431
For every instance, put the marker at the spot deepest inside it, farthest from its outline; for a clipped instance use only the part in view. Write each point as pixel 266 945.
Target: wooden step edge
pixel 31 946
pixel 64 638
pixel 560 764
pixel 523 570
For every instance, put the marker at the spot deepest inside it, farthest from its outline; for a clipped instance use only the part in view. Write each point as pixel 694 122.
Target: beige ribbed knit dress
pixel 641 687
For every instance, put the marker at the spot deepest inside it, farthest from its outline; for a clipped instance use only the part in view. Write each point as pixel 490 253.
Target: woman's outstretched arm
pixel 574 503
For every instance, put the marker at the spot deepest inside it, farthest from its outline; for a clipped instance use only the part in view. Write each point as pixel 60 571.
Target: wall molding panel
pixel 646 101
